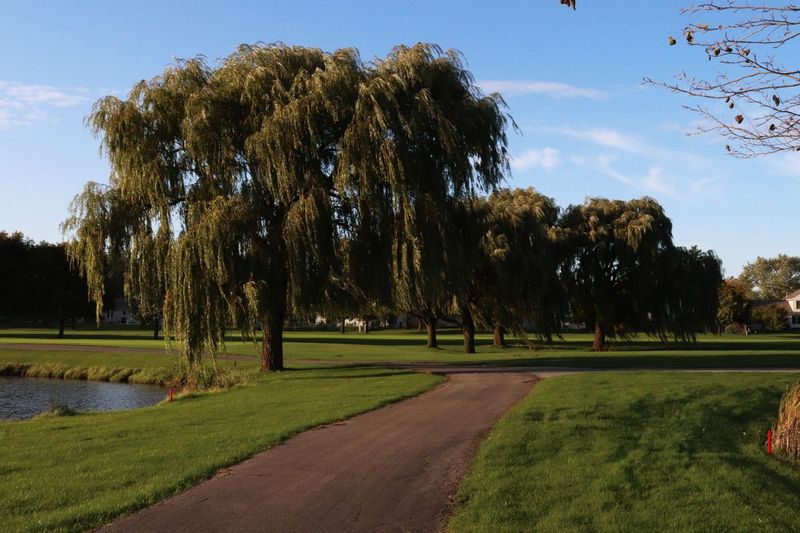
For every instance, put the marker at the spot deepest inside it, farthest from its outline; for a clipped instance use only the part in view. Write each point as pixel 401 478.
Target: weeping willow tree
pixel 625 275
pixel 423 140
pixel 223 183
pixel 684 294
pixel 521 289
pixel 237 192
pixel 616 246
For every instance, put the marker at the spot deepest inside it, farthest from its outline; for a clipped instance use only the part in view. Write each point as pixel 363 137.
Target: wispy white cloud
pixel 659 177
pixel 548 88
pixel 23 104
pixel 609 138
pixel 654 181
pixel 546 158
pixel 657 181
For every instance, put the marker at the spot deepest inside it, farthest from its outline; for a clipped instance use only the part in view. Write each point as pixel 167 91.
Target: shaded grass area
pixel 408 346
pixel 635 452
pixel 77 472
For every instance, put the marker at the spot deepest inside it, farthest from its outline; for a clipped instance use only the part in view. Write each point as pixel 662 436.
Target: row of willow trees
pixel 287 180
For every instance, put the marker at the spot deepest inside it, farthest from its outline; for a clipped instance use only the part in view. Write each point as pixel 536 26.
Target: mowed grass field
pixel 308 348
pixel 654 451
pixel 77 472
pixel 594 452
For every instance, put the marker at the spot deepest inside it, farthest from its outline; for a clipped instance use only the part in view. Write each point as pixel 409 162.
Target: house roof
pixel 795 294
pixel 783 304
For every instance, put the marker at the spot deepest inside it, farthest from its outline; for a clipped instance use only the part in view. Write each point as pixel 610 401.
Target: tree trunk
pixel 273 314
pixel 366 325
pixel 155 328
pixel 272 345
pixel 341 326
pixel 468 328
pixel 419 326
pixel 499 336
pixel 431 325
pixel 62 319
pixel 599 342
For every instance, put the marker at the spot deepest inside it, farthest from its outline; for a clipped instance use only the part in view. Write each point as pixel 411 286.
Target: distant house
pixel 792 305
pixel 119 313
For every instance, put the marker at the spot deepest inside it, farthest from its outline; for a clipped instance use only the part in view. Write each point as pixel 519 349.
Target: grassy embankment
pixel 635 452
pixel 407 346
pixel 77 472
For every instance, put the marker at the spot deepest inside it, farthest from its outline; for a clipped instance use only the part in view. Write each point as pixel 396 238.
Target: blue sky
pixel 572 81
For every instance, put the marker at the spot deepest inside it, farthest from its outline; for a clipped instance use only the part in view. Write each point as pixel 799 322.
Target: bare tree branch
pixel 759 92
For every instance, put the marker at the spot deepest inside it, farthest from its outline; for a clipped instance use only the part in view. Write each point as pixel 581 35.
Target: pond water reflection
pixel 27 397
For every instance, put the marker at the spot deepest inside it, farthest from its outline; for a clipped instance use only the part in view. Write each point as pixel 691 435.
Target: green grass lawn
pixel 73 473
pixel 635 452
pixel 304 347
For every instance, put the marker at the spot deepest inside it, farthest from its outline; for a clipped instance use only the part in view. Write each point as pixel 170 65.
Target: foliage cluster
pixel 772 317
pixel 772 278
pixel 37 284
pixel 735 303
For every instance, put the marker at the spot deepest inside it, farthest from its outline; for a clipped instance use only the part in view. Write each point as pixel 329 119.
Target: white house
pixel 792 304
pixel 119 313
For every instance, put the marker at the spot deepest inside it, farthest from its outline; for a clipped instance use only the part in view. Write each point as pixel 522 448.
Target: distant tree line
pixel 37 285
pixel 291 181
pixel 756 295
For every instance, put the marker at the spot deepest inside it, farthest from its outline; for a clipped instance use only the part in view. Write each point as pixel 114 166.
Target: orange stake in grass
pixel 769 442
pixel 170 394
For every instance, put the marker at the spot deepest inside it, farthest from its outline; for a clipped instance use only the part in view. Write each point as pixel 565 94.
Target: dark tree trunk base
pixel 468 328
pixel 499 336
pixel 430 324
pixel 599 341
pixel 272 346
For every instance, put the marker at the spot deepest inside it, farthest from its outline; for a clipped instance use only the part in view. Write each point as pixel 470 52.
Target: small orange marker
pixel 170 394
pixel 769 442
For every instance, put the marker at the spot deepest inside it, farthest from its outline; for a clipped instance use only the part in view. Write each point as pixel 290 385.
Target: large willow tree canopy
pixel 431 140
pixel 241 192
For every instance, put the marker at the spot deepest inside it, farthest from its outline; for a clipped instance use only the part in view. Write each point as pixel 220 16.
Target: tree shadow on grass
pixel 663 360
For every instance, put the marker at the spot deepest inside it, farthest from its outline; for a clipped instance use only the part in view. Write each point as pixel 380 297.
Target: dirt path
pixel 393 469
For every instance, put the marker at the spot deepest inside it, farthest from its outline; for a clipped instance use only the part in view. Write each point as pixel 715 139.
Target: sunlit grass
pixel 635 452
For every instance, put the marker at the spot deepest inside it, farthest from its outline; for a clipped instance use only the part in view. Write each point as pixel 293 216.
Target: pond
pixel 27 397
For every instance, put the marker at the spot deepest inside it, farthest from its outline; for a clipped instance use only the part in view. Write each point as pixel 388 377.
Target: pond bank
pixel 148 376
